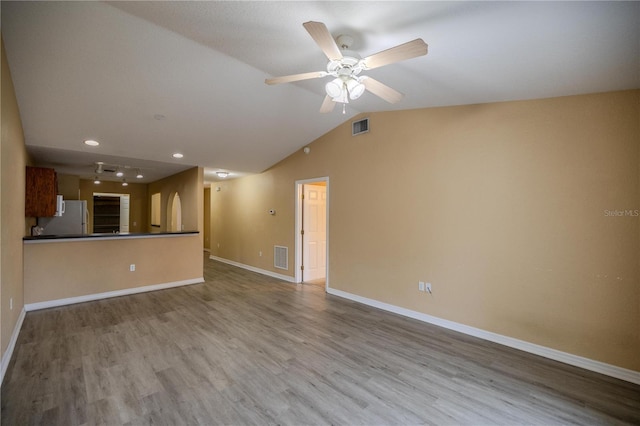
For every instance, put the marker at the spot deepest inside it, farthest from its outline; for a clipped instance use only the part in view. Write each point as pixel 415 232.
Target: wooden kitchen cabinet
pixel 40 192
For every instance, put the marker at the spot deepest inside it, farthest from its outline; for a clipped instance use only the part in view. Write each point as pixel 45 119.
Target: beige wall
pixel 12 221
pixel 207 219
pixel 241 225
pixel 68 186
pixel 502 207
pixel 66 269
pixel 188 185
pixel 138 201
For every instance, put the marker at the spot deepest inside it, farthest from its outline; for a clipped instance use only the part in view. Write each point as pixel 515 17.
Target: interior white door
pixel 314 225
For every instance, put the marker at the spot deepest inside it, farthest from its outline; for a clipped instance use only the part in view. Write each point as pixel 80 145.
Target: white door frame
pixel 298 225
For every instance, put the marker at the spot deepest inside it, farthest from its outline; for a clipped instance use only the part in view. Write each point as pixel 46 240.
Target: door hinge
pixel 302 232
pixel 302 196
pixel 302 267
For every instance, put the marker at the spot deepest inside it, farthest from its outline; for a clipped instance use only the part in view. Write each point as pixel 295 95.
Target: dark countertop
pixel 110 235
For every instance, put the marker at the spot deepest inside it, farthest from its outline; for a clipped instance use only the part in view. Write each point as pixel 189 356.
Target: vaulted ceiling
pixel 148 79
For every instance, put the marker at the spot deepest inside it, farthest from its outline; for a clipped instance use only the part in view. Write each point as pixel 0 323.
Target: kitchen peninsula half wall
pixel 63 271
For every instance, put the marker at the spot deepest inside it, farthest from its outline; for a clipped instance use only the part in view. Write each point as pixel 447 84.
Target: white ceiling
pixel 106 70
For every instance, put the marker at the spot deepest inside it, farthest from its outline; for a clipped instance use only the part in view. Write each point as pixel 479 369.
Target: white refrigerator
pixel 72 222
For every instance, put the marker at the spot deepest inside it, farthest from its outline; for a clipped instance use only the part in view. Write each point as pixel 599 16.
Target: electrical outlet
pixel 260 253
pixel 428 288
pixel 11 304
pixel 421 285
pixel 132 267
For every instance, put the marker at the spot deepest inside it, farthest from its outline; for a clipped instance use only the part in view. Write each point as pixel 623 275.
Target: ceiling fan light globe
pixel 334 88
pixel 355 88
pixel 342 98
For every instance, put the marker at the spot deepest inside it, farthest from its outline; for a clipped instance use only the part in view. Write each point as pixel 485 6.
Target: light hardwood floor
pixel 243 348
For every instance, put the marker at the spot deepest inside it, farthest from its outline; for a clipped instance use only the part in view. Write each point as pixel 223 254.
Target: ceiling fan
pixel 345 67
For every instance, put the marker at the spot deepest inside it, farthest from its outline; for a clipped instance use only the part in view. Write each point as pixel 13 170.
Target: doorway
pixel 110 213
pixel 312 231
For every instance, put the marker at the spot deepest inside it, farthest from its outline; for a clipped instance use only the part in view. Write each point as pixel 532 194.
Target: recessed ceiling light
pixel 177 155
pixel 222 174
pixel 91 142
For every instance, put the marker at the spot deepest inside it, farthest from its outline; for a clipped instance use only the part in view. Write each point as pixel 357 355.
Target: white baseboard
pixel 567 358
pixel 254 269
pixel 6 356
pixel 98 296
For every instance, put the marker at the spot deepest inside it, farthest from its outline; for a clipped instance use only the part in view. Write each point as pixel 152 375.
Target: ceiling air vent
pixel 360 126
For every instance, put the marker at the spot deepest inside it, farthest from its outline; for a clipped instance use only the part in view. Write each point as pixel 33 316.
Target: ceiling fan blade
pixel 399 53
pixel 327 104
pixel 295 77
pixel 382 90
pixel 319 32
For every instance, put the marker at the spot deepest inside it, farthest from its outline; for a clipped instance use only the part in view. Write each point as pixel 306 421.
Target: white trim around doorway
pixel 298 225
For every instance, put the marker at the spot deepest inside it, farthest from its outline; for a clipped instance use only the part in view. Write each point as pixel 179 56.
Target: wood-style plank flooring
pixel 243 349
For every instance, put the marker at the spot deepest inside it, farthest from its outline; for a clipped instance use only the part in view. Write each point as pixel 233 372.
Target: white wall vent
pixel 281 257
pixel 359 127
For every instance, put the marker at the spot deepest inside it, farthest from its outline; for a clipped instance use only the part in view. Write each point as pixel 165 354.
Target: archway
pixel 174 213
